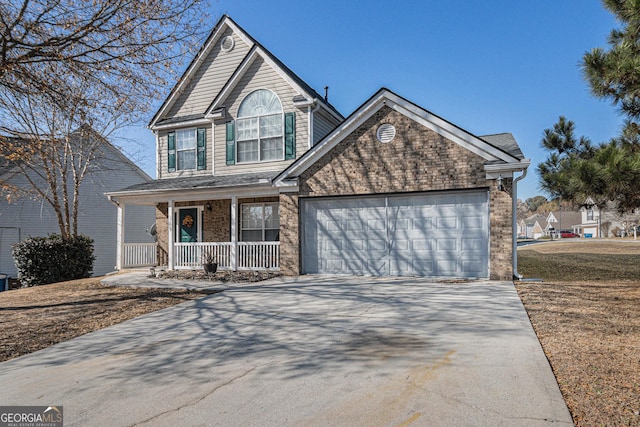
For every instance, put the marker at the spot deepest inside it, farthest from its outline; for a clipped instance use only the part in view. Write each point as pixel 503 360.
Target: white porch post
pixel 120 236
pixel 170 236
pixel 234 233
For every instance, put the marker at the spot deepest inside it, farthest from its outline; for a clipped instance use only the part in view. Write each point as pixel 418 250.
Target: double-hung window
pixel 259 128
pixel 260 222
pixel 187 149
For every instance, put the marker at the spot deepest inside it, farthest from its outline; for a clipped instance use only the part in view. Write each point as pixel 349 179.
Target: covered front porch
pixel 238 228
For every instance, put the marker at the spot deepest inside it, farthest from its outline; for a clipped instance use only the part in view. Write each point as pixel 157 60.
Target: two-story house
pixel 259 169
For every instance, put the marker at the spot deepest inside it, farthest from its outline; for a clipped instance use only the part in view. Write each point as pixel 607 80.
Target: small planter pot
pixel 210 268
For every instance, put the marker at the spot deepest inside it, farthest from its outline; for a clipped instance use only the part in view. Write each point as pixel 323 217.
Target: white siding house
pixel 96 217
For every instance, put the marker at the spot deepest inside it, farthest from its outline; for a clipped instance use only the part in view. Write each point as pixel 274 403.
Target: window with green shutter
pixel 231 143
pixel 187 149
pixel 171 147
pixel 289 136
pixel 202 148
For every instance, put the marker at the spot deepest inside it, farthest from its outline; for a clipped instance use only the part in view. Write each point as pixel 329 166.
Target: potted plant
pixel 209 262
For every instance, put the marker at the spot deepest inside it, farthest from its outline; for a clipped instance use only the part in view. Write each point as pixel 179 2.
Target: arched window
pixel 259 127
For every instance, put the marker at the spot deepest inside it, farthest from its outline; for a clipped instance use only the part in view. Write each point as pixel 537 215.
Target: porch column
pixel 170 235
pixel 234 233
pixel 120 236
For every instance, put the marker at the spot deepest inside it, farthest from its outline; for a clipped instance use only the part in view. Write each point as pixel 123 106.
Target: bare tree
pixel 129 48
pixel 52 154
pixel 74 71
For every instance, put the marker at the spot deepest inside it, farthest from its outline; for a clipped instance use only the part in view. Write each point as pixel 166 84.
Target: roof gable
pixel 219 29
pixel 385 97
pixel 255 50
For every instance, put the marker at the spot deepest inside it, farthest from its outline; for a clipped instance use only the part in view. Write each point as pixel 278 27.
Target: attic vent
pixel 227 44
pixel 386 133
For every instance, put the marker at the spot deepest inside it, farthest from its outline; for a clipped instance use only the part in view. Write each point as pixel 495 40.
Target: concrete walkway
pixel 310 351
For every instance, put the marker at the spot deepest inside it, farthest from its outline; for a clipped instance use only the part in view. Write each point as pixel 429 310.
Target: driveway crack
pixel 198 400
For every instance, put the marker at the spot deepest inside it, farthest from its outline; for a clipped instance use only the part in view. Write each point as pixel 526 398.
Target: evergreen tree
pixel 614 74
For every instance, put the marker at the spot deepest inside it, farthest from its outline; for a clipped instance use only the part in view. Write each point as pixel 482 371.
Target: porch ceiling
pixel 197 187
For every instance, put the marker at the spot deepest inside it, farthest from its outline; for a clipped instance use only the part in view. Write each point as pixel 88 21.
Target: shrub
pixel 42 260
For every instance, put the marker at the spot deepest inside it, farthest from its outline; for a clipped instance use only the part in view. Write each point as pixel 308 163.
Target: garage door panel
pixel 472 245
pixel 447 245
pixel 473 222
pixel 437 235
pixel 422 244
pixel 447 223
pixel 354 225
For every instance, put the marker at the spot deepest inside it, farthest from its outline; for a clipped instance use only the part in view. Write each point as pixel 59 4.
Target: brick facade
pixel 418 159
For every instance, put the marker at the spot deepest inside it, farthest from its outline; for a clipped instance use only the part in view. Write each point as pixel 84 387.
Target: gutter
pixel 514 225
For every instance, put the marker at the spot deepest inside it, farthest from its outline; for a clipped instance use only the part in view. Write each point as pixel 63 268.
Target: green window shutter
pixel 202 148
pixel 289 136
pixel 231 143
pixel 171 146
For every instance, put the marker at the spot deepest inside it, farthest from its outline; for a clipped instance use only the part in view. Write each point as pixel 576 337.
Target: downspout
pixel 514 225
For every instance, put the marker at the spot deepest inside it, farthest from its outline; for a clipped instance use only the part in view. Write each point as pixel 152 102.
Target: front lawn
pixel 587 316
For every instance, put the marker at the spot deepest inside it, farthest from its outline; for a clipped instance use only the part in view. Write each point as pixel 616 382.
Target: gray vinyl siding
pixel 96 218
pixel 163 171
pixel 260 76
pixel 209 78
pixel 323 123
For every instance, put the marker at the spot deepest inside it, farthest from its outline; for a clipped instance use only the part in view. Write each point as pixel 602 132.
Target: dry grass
pixel 35 318
pixel 587 316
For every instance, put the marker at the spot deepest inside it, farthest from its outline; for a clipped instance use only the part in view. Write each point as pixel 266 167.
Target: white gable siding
pixel 97 216
pixel 213 73
pixel 323 123
pixel 163 169
pixel 260 76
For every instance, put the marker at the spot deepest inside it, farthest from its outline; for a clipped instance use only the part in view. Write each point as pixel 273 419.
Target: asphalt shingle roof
pixel 506 142
pixel 204 182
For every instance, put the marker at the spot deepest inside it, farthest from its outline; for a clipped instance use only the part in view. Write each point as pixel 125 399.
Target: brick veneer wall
pixel 418 159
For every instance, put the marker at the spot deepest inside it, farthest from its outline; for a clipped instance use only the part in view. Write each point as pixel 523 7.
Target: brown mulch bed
pixel 220 276
pixel 35 318
pixel 587 317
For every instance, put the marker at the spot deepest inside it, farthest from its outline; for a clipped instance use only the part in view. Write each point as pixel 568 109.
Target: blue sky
pixel 487 66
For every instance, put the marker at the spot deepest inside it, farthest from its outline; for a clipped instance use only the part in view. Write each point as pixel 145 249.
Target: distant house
pixel 533 226
pixel 559 221
pixel 596 222
pixel 26 217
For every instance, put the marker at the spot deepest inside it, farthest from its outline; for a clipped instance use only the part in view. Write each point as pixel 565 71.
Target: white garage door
pixel 432 235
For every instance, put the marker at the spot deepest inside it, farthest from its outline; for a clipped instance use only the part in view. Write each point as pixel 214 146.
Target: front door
pixel 188 225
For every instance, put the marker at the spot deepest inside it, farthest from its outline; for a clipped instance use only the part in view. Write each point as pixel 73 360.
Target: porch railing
pixel 248 255
pixel 140 255
pixel 258 255
pixel 189 255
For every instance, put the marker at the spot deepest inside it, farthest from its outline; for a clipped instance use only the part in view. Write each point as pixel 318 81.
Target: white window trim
pixel 194 149
pixel 263 229
pixel 238 140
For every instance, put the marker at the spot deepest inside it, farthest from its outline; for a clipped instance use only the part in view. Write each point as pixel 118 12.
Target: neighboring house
pixel 533 226
pixel 257 168
pixel 96 215
pixel 607 222
pixel 562 221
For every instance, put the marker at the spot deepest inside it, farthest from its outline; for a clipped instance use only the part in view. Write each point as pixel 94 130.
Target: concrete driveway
pixel 310 351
